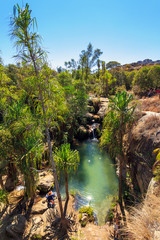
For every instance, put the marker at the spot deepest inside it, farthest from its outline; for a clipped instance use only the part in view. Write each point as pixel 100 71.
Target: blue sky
pixel 126 31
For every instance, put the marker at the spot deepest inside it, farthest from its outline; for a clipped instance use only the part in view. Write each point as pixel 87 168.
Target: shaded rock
pixel 9 184
pixel 2 207
pixel 89 117
pixel 103 107
pixel 40 207
pixel 16 227
pixel 84 217
pixel 37 227
pixel 82 133
pixel 96 118
pixel 41 225
pixel 90 109
pixel 45 182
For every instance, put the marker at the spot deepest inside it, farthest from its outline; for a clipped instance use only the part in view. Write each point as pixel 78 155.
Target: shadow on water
pixel 95 181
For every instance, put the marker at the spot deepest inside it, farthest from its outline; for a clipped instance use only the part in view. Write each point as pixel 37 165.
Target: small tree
pixel 119 116
pixel 66 160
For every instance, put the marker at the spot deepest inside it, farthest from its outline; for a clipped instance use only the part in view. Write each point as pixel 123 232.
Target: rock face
pixel 82 133
pixel 45 182
pixel 41 224
pixel 16 228
pixel 40 207
pixel 140 145
pixel 97 108
pixel 103 107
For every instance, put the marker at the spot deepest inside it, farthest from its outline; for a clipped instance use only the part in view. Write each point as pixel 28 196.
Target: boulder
pixel 16 228
pixel 9 184
pixel 45 182
pixel 103 108
pixel 2 207
pixel 84 217
pixel 40 207
pixel 89 117
pixel 139 144
pixel 37 228
pixel 82 133
pixel 41 225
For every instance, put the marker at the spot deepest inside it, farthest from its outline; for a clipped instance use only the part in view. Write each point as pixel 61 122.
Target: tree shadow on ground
pixel 57 229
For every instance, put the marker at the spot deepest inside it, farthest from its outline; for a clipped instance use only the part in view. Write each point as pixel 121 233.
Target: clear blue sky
pixel 126 31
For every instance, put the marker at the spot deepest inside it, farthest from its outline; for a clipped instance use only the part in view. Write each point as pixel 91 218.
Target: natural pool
pixel 95 180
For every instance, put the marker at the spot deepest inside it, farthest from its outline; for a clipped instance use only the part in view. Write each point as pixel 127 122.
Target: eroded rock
pixel 45 182
pixel 40 207
pixel 16 228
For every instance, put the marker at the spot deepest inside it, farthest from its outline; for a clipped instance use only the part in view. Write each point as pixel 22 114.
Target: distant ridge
pixel 139 64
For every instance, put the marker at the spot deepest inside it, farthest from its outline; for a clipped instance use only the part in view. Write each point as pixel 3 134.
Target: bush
pixel 87 210
pixel 110 216
pixel 3 196
pixel 83 224
pixel 36 237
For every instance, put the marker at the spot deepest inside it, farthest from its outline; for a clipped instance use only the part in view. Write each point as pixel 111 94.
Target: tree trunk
pixel 54 173
pixel 120 178
pixel 48 139
pixel 67 192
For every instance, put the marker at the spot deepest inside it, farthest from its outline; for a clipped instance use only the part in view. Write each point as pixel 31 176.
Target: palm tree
pixel 119 116
pixel 66 160
pixel 29 50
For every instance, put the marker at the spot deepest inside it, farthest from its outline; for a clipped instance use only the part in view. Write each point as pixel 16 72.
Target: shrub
pixel 3 196
pixel 36 237
pixel 83 224
pixel 87 210
pixel 110 216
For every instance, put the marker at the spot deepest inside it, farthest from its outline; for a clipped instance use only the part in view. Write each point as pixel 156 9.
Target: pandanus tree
pixel 66 160
pixel 88 59
pixel 29 49
pixel 118 118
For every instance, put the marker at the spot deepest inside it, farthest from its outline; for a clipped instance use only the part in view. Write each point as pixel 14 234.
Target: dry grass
pixel 144 220
pixel 151 104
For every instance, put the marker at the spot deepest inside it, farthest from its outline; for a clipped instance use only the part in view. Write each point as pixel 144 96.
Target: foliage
pixel 154 76
pixel 36 237
pixel 26 41
pixel 66 158
pixel 119 115
pixel 118 118
pixel 142 80
pixel 112 64
pixel 3 196
pixel 87 210
pixel 110 215
pixel 156 166
pixel 88 59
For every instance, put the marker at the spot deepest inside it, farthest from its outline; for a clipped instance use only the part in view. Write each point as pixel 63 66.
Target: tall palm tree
pixel 30 51
pixel 119 116
pixel 66 160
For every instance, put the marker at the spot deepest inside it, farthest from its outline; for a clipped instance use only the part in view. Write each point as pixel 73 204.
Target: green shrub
pixel 36 237
pixel 83 224
pixel 80 216
pixel 87 210
pixel 110 216
pixel 73 192
pixel 3 196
